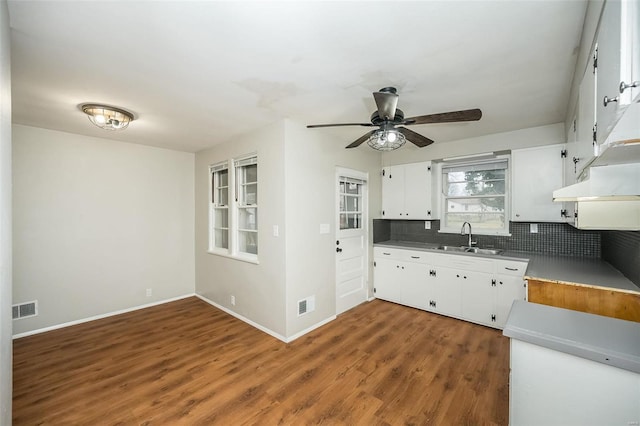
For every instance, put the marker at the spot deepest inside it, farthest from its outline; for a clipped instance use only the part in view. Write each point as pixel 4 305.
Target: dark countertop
pixel 561 269
pixel 602 339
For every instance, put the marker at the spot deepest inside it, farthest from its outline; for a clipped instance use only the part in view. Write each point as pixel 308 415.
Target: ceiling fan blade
pixel 415 138
pixel 313 126
pixel 361 139
pixel 446 117
pixel 387 103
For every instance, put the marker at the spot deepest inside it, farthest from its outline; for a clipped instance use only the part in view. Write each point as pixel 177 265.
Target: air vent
pixel 25 310
pixel 306 305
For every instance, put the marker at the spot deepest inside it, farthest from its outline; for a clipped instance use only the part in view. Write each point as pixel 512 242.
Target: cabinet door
pixel 608 71
pixel 393 193
pixel 585 122
pixel 445 292
pixel 387 280
pixel 633 48
pixel 414 285
pixel 509 288
pixel 478 297
pixel 417 194
pixel 537 172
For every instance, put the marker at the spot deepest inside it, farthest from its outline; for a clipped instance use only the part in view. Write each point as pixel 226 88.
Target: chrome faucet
pixel 462 233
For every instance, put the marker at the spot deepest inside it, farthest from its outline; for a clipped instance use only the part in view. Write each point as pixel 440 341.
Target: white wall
pixel 311 158
pixel 5 220
pixel 259 289
pixel 517 139
pixel 96 223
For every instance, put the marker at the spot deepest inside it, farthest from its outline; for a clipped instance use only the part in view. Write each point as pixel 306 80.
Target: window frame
pixel 443 198
pixel 234 167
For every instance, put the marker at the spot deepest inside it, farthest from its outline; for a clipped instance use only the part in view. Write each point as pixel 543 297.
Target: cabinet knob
pixel 607 100
pixel 624 86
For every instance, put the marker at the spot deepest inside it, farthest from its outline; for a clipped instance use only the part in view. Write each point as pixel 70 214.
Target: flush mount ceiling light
pixel 386 140
pixel 107 117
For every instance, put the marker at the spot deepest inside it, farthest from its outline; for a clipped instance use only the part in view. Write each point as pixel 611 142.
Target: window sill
pixel 247 259
pixel 482 232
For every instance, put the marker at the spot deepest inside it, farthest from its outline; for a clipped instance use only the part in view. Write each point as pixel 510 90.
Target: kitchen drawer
pixel 415 256
pixel 456 261
pixel 511 267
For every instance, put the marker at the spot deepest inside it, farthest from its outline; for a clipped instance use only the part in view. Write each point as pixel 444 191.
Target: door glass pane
pixel 353 204
pixel 353 188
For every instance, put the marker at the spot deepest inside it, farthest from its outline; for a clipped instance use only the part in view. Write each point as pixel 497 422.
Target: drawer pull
pixel 511 269
pixel 387 254
pixel 415 257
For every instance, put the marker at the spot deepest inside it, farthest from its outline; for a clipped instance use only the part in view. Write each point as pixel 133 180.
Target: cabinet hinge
pixel 493 283
pixel 595 133
pixel 429 168
pixel 374 264
pixel 382 172
pixel 563 213
pixel 563 153
pixel 382 212
pixel 432 272
pixel 595 59
pixel 493 318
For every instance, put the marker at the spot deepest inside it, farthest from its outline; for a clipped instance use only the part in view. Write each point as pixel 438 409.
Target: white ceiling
pixel 198 73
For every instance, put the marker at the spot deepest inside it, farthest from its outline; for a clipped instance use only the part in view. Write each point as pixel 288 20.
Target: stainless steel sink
pixel 465 249
pixel 460 249
pixel 483 251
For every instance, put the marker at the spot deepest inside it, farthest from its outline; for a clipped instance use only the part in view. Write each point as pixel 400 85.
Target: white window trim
pixel 442 199
pixel 233 220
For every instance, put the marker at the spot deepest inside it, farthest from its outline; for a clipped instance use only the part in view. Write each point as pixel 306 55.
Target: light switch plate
pixel 325 228
pixel 427 224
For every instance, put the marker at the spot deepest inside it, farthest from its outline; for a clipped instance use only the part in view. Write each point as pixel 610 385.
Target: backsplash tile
pixel 622 250
pixel 551 238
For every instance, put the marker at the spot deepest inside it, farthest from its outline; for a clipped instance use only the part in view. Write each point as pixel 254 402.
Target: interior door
pixel 351 239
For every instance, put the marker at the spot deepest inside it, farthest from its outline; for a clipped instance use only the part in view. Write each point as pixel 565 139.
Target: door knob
pixel 338 250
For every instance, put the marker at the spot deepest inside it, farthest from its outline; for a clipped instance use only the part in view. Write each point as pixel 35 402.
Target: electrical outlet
pixel 233 300
pixel 427 224
pixel 149 292
pixel 533 228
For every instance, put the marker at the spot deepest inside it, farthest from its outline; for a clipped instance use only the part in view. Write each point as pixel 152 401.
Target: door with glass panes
pixel 351 239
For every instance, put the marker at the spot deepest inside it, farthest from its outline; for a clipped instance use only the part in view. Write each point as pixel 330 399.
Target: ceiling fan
pixel 389 137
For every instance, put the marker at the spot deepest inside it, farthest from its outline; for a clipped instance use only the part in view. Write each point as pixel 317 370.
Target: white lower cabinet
pixel 476 289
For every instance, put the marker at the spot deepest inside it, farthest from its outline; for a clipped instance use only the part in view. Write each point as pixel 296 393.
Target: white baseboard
pixel 265 329
pixel 101 316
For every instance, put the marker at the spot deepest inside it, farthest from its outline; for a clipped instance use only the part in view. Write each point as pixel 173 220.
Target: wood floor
pixel 188 363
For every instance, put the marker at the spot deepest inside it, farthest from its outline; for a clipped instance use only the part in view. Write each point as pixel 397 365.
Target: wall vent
pixel 306 305
pixel 25 310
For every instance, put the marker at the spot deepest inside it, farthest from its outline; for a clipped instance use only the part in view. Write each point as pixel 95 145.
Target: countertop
pixel 556 268
pixel 602 339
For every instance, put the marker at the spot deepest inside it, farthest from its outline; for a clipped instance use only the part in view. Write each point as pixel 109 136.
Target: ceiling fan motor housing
pixel 378 121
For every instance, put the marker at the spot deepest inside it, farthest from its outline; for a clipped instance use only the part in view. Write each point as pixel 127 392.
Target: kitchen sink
pixel 465 249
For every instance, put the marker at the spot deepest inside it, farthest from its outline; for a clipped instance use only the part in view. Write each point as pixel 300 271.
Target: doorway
pixel 351 239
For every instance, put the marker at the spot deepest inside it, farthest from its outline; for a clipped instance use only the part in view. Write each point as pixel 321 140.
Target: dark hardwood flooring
pixel 188 363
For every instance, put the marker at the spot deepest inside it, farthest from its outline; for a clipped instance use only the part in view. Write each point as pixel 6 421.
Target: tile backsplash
pixel 551 238
pixel 622 250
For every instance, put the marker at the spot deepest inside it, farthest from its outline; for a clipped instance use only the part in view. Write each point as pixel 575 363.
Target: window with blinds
pixel 476 193
pixel 247 205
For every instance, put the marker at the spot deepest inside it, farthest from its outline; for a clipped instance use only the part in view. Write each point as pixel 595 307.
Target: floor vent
pixel 25 310
pixel 306 305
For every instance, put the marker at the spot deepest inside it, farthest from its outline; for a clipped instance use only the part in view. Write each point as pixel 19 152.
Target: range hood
pixel 608 198
pixel 616 182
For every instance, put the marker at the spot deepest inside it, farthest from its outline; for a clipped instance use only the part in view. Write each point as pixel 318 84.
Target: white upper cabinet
pixel 536 173
pixel 585 121
pixel 407 192
pixel 618 63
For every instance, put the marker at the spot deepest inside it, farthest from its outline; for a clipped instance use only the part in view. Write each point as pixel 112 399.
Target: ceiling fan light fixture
pixel 386 140
pixel 107 117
